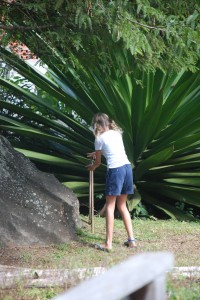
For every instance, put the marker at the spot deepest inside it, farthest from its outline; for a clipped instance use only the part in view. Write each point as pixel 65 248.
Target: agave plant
pixel 159 114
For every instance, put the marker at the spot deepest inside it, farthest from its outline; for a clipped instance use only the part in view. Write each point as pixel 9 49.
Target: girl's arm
pixel 97 160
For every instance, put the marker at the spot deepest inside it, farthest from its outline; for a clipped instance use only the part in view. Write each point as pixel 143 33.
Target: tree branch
pixel 17 27
pixel 146 26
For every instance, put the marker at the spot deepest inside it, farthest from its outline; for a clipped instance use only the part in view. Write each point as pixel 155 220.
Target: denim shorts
pixel 119 181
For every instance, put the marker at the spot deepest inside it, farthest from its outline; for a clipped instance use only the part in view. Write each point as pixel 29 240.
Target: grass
pixel 29 294
pixel 183 288
pixel 180 238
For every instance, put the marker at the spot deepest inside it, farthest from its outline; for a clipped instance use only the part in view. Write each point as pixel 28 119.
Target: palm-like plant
pixel 158 113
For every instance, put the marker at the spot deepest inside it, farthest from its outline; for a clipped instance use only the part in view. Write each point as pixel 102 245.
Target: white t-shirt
pixel 111 144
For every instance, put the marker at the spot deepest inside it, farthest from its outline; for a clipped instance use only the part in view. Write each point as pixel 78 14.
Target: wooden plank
pixel 191 271
pixel 10 276
pixel 141 272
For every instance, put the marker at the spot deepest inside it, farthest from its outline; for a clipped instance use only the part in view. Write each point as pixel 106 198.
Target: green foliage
pixel 159 114
pixel 159 34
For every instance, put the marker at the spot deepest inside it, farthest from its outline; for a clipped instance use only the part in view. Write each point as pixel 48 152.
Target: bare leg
pixel 121 205
pixel 110 208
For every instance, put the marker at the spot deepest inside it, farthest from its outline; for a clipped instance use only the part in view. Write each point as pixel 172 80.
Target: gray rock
pixel 35 208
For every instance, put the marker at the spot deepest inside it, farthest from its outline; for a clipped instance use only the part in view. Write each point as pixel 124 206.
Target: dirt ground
pixel 181 239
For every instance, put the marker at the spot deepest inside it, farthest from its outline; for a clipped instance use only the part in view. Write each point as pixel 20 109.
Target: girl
pixel 119 180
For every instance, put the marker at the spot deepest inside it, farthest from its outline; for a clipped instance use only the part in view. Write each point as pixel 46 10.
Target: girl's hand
pixel 96 160
pixel 91 155
pixel 90 167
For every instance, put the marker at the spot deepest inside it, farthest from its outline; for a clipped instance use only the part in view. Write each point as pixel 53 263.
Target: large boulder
pixel 35 208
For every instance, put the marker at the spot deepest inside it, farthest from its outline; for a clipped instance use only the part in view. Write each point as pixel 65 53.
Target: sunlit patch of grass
pixel 26 257
pixel 183 288
pixel 62 247
pixel 20 293
pixel 43 294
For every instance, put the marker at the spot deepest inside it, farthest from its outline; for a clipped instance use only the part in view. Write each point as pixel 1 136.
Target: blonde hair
pixel 101 121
